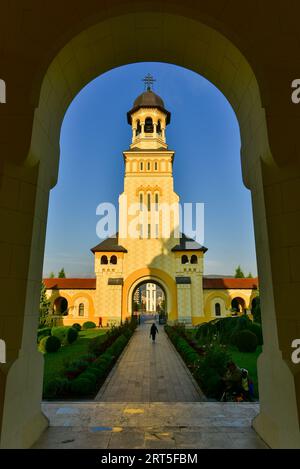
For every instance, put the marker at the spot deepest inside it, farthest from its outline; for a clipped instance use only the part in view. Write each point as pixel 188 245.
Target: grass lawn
pixel 248 361
pixel 55 362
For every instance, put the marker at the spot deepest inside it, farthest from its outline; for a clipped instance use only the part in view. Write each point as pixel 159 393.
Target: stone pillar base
pixel 277 424
pixel 23 421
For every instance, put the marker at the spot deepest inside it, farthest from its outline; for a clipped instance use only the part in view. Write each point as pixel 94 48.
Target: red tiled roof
pixel 70 283
pixel 230 283
pixel 208 283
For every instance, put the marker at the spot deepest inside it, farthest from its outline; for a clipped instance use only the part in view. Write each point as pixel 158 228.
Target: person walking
pixel 153 332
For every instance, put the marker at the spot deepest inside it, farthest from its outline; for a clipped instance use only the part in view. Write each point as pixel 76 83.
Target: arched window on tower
pixel 138 128
pixel 217 309
pixel 184 259
pixel 141 201
pixel 81 309
pixel 113 260
pixel 158 128
pixel 148 125
pixel 141 166
pixel 194 259
pixel 149 202
pixel 155 166
pixel 104 260
pixel 156 202
pixel 148 166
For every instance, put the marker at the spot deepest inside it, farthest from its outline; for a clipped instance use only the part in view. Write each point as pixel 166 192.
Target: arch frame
pixel 144 281
pixel 155 276
pixel 74 56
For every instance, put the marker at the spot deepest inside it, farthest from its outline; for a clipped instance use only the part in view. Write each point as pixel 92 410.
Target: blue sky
pixel 205 136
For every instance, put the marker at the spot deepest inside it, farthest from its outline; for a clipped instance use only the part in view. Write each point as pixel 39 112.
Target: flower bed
pixel 207 365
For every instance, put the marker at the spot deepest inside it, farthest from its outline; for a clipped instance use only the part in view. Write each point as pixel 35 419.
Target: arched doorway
pixel 181 36
pixel 149 301
pixel 60 306
pixel 238 306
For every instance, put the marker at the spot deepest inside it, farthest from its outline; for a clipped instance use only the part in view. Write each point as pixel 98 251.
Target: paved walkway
pixel 165 425
pixel 150 372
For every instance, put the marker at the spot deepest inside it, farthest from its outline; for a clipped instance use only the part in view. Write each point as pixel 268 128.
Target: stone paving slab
pixel 150 372
pixel 150 425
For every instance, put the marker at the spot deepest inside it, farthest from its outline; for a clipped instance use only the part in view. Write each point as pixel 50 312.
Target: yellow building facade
pixel 149 246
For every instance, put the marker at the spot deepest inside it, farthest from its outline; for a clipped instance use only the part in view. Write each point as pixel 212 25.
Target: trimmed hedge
pixel 82 387
pixel 42 344
pixel 60 332
pixel 100 344
pixel 52 344
pixel 75 368
pixel 72 335
pixel 246 341
pixel 257 330
pixel 224 330
pixel 66 334
pixel 207 368
pixel 88 325
pixel 85 376
pixel 57 387
pixel 44 332
pixel 77 326
pixel 88 382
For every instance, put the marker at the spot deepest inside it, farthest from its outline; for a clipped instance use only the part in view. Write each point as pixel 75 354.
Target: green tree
pixel 51 275
pixel 239 273
pixel 250 275
pixel 61 273
pixel 44 306
pixel 256 311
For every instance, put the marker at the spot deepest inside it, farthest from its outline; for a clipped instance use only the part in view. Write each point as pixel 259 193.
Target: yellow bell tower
pixel 148 183
pixel 149 247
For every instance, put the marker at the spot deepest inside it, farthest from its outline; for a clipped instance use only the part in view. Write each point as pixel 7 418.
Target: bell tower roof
pixel 148 99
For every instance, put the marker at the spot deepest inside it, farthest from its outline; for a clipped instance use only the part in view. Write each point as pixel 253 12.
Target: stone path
pixel 105 425
pixel 150 372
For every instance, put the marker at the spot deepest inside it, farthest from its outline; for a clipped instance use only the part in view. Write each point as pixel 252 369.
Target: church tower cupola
pixel 148 119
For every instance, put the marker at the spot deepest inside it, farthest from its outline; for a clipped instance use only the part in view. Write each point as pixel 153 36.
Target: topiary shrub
pixel 77 326
pixel 42 344
pixel 246 341
pixel 57 387
pixel 72 335
pixel 257 330
pixel 44 332
pixel 82 387
pixel 88 325
pixel 52 344
pixel 49 344
pixel 61 333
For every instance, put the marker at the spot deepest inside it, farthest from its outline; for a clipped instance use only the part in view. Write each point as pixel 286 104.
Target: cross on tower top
pixel 148 80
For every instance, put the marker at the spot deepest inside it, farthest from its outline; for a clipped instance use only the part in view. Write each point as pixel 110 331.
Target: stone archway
pixel 151 275
pixel 53 78
pixel 238 305
pixel 144 281
pixel 60 306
